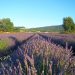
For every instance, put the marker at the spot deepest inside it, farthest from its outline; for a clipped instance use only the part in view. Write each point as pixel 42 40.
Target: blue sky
pixel 37 13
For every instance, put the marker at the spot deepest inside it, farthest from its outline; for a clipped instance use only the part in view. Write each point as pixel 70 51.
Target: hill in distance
pixel 57 28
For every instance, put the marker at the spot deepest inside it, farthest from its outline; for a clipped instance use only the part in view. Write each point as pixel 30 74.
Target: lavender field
pixel 37 54
pixel 37 37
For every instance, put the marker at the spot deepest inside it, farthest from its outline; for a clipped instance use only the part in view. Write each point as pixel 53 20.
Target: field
pixel 37 54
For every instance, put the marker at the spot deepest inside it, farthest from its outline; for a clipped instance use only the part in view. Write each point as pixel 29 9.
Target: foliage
pixel 3 45
pixel 68 24
pixel 16 29
pixel 6 25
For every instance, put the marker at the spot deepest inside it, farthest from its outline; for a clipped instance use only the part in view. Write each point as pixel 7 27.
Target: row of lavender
pixel 20 36
pixel 61 39
pixel 39 57
pixel 65 37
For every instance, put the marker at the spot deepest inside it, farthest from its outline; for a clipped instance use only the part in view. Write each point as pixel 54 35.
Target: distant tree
pixel 16 29
pixel 68 24
pixel 7 24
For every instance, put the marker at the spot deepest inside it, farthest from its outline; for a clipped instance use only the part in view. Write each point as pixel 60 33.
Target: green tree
pixel 16 29
pixel 2 27
pixel 7 24
pixel 68 24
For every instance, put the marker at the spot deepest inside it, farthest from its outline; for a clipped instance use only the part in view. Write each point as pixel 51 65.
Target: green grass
pixel 3 45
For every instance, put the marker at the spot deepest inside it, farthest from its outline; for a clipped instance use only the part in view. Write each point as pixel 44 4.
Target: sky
pixel 37 13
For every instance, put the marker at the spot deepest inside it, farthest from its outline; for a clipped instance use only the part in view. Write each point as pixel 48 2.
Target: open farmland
pixel 36 54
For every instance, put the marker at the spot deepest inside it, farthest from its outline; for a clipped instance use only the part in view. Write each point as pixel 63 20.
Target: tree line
pixel 6 25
